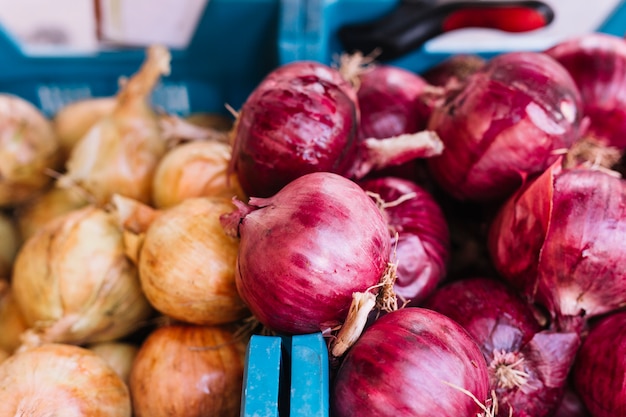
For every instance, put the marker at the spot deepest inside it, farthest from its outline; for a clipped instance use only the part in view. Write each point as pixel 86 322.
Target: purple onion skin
pixel 571 405
pixel 506 330
pixel 504 125
pixel 389 101
pixel 304 251
pixel 422 247
pixel 453 70
pixel 560 241
pixel 301 118
pixel 400 366
pixel 599 373
pixel 597 63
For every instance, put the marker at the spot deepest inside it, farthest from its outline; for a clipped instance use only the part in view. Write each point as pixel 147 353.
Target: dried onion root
pixel 61 380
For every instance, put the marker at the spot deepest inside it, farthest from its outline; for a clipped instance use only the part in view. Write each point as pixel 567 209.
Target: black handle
pixel 413 23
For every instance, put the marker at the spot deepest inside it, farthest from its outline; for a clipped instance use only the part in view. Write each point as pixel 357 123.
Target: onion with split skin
pixel 120 152
pixel 185 259
pixel 74 283
pixel 61 380
pixel 506 123
pixel 188 371
pixel 194 169
pixel 29 150
pixel 559 240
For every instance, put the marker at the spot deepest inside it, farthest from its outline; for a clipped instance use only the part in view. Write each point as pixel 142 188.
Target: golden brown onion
pixel 52 203
pixel 187 264
pixel 29 149
pixel 61 380
pixel 10 241
pixel 194 169
pixel 74 283
pixel 188 371
pixel 120 152
pixel 75 119
pixel 119 356
pixel 4 355
pixel 12 322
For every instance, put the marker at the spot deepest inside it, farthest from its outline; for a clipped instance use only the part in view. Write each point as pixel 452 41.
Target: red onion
pixel 571 404
pixel 453 70
pixel 600 367
pixel 597 63
pixel 560 240
pixel 304 251
pixel 303 118
pixel 528 367
pixel 411 362
pixel 421 246
pixel 389 101
pixel 503 125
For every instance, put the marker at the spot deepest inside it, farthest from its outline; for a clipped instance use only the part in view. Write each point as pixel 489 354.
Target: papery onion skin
pixel 304 251
pixel 422 246
pixel 504 125
pixel 74 283
pixel 12 322
pixel 597 63
pixel 194 169
pixel 190 371
pixel 511 340
pixel 600 370
pixel 118 355
pixel 187 263
pixel 569 224
pixel 9 245
pixel 454 70
pixel 298 120
pixel 402 365
pixel 29 150
pixel 61 380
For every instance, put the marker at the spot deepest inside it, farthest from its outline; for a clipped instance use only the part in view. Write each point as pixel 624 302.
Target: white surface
pixel 572 17
pixel 144 22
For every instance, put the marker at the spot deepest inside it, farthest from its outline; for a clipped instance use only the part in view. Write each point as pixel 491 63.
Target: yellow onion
pixel 188 371
pixel 4 355
pixel 194 169
pixel 12 322
pixel 50 204
pixel 10 241
pixel 120 152
pixel 74 120
pixel 211 120
pixel 119 356
pixel 187 263
pixel 61 380
pixel 74 283
pixel 29 150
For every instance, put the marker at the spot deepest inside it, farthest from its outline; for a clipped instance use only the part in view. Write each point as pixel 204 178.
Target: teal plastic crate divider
pixel 286 376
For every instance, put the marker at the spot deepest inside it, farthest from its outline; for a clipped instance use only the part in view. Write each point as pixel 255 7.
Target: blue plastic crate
pixel 286 376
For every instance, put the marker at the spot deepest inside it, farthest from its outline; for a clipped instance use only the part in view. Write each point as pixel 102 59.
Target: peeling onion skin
pixel 190 371
pixel 599 372
pixel 506 330
pixel 504 125
pixel 423 243
pixel 597 63
pixel 569 224
pixel 301 118
pixel 305 250
pixel 61 380
pixel 400 366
